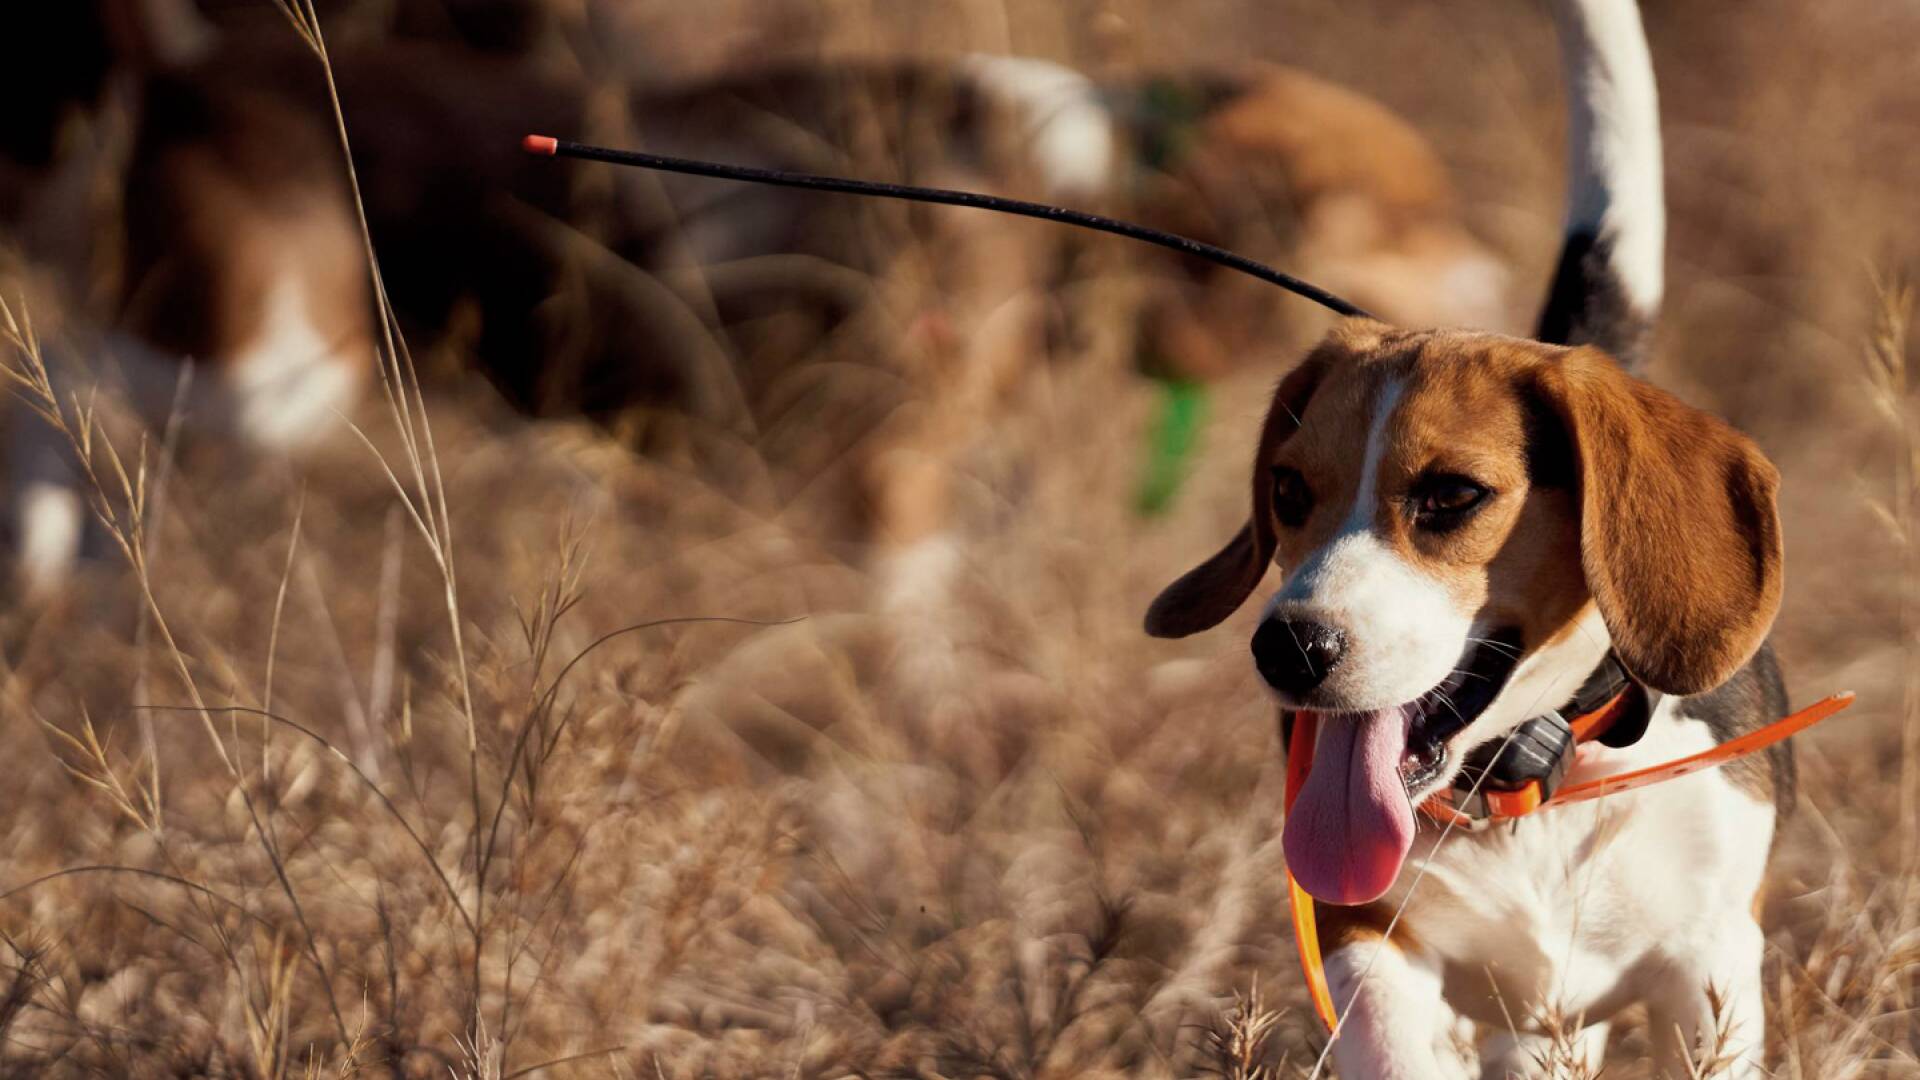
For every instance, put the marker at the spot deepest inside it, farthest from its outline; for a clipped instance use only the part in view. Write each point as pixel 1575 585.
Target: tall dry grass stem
pixel 1891 390
pixel 426 502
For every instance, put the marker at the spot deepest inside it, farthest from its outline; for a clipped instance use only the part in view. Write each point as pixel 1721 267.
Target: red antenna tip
pixel 544 145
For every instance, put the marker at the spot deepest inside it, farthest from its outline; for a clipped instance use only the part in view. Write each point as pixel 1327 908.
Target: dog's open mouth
pixel 1442 713
pixel 1351 823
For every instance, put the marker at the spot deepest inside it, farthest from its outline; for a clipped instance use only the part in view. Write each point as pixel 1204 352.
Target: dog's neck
pixel 1547 678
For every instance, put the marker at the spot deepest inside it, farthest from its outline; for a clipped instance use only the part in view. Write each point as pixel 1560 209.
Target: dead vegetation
pixel 483 748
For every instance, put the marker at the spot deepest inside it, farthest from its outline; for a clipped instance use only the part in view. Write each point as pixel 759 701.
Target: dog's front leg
pixel 1394 1023
pixel 1714 1017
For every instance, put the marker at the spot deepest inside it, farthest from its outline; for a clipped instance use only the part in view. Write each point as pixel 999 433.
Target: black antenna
pixel 547 146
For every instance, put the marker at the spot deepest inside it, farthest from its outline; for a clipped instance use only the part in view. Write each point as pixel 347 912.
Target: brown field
pixel 499 825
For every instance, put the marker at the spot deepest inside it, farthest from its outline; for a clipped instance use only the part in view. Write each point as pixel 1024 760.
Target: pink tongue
pixel 1349 830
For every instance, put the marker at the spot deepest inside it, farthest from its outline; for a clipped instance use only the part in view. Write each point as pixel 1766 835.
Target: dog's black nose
pixel 1295 657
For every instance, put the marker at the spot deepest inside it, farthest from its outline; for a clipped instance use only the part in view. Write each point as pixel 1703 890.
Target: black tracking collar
pixel 1541 749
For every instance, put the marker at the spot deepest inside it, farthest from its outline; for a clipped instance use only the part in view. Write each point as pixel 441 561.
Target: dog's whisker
pixel 1500 647
pixel 1302 649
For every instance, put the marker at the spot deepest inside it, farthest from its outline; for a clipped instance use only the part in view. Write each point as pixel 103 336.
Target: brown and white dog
pixel 239 252
pixel 1468 526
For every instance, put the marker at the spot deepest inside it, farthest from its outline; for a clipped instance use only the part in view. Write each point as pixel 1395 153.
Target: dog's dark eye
pixel 1292 498
pixel 1441 502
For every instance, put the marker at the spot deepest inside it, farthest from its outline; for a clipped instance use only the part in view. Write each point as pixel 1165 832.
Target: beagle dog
pixel 1472 528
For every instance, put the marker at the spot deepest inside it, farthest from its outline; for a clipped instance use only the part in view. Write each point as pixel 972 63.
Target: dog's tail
pixel 1607 288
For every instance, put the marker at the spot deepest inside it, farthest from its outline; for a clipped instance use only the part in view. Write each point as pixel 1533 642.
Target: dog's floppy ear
pixel 1679 536
pixel 1210 592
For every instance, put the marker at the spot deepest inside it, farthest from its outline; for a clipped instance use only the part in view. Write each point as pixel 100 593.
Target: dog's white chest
pixel 1572 910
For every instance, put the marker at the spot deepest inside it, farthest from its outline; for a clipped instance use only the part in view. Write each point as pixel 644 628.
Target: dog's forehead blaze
pixel 1457 405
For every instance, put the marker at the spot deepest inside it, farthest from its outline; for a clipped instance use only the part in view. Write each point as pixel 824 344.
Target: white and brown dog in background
pixel 1468 525
pixel 243 301
pixel 239 249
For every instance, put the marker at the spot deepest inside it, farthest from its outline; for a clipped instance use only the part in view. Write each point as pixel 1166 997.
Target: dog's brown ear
pixel 1679 535
pixel 1208 593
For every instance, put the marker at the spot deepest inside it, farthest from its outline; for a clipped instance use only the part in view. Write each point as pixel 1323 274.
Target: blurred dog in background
pixel 1285 167
pixel 236 248
pixel 216 225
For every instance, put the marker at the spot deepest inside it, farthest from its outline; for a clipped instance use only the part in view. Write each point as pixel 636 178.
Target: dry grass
pixel 509 805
